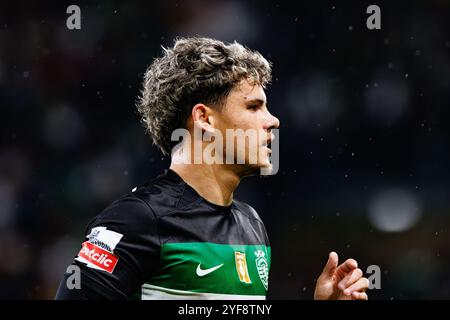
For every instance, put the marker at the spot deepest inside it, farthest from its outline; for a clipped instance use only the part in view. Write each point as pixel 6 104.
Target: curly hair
pixel 195 70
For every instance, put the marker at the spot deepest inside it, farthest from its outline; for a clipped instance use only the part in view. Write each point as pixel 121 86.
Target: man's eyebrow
pixel 256 101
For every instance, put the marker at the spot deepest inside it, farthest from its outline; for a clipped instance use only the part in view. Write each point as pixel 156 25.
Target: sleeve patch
pixel 98 251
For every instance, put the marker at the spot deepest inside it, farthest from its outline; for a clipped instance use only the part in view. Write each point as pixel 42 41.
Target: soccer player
pixel 183 235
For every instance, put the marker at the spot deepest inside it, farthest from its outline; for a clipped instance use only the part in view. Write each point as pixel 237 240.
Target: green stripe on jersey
pixel 216 269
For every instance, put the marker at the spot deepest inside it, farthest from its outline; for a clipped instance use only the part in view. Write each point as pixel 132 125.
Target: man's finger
pixel 331 265
pixel 346 267
pixel 350 279
pixel 359 295
pixel 359 286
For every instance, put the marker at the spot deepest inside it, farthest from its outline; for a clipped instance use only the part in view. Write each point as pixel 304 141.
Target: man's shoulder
pixel 161 195
pixel 152 200
pixel 248 210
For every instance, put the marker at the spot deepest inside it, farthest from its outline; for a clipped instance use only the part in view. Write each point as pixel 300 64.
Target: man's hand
pixel 344 282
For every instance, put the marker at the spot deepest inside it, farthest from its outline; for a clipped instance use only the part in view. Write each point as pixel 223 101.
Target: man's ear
pixel 202 117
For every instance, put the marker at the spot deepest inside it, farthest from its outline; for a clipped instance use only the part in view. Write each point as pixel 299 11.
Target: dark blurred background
pixel 364 160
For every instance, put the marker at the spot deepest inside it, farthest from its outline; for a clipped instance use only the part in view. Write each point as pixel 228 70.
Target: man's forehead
pixel 251 92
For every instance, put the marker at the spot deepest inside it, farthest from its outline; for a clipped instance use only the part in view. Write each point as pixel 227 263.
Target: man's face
pixel 245 108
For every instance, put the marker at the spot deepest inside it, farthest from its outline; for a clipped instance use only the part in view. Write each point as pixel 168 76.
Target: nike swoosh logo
pixel 203 272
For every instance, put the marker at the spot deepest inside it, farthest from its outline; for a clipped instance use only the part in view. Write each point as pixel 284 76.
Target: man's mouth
pixel 268 146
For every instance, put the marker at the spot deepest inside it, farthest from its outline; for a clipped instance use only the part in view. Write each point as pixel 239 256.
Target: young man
pixel 183 235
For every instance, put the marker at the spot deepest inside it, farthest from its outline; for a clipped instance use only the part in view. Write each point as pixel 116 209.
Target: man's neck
pixel 215 183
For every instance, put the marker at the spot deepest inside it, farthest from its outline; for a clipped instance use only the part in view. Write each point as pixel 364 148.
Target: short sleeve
pixel 120 252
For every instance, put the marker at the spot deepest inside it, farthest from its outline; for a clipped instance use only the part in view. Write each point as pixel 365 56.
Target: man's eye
pixel 253 107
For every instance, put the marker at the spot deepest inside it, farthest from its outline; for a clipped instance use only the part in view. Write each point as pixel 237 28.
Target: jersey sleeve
pixel 120 252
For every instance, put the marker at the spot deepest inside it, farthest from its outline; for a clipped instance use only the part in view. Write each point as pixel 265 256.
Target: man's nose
pixel 272 122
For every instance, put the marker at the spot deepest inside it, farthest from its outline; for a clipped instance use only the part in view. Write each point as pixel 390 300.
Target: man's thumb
pixel 332 264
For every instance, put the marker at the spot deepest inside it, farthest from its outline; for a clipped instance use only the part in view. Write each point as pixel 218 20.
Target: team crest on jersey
pixel 263 267
pixel 241 267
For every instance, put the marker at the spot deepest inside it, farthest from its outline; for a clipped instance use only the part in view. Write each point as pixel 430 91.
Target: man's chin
pixel 261 168
pixel 266 170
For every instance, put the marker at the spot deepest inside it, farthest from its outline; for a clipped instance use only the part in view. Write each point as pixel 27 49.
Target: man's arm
pixel 120 252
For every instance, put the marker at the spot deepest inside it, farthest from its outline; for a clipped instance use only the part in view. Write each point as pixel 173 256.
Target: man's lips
pixel 268 147
pixel 268 144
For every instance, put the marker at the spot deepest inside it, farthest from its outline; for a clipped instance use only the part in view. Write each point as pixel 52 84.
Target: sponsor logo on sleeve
pixel 98 251
pixel 102 259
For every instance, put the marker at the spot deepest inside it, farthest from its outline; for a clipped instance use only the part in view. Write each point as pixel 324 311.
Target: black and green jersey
pixel 164 241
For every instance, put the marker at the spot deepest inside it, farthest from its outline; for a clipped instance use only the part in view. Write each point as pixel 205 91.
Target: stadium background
pixel 364 136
